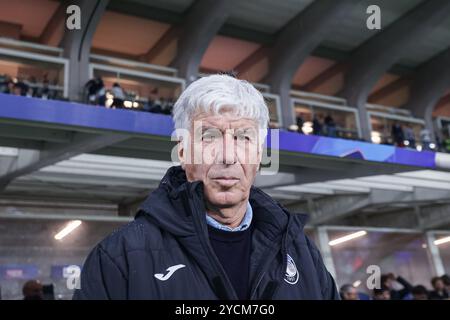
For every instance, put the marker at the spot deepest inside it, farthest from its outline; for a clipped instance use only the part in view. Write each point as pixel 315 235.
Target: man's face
pixel 439 285
pixel 388 283
pixel 385 295
pixel 352 294
pixel 224 153
pixel 420 296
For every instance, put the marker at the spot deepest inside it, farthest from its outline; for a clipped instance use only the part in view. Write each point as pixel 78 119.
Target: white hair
pixel 216 94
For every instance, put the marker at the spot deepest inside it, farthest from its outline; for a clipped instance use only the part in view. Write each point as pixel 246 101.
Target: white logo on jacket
pixel 170 271
pixel 291 275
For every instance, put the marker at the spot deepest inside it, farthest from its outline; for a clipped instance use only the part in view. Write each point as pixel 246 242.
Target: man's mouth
pixel 226 181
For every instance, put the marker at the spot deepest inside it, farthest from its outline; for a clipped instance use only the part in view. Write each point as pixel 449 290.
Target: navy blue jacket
pixel 165 252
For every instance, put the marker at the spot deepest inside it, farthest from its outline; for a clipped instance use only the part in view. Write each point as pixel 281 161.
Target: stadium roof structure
pixel 252 28
pixel 95 162
pixel 76 160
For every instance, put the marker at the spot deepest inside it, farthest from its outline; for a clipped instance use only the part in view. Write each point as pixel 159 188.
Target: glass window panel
pixel 140 89
pixel 382 127
pixel 37 75
pixel 444 252
pixel 31 243
pixel 404 254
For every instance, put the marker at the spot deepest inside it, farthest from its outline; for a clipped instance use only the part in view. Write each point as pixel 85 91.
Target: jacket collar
pixel 177 206
pixel 168 208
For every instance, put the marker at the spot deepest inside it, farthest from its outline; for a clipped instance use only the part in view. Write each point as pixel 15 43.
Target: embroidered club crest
pixel 291 275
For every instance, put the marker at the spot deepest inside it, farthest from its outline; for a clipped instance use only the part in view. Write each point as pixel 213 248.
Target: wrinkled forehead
pixel 223 121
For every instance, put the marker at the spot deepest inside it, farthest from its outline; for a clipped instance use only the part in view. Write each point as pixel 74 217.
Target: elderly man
pixel 206 232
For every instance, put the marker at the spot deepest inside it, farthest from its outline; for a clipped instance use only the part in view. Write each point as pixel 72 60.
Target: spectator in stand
pixel 33 87
pixel 439 292
pixel 381 294
pixel 21 87
pixel 101 93
pixel 419 293
pixel 446 279
pixel 330 126
pixel 409 136
pixel 166 106
pixel 33 290
pixel 425 137
pixel 348 292
pixel 163 105
pixel 156 108
pixel 387 282
pixel 148 105
pixel 446 144
pixel 170 104
pixel 397 134
pixel 300 123
pixel 439 144
pixel 91 88
pixel 153 104
pixel 44 93
pixel 119 96
pixel 7 85
pixel 2 83
pixel 317 126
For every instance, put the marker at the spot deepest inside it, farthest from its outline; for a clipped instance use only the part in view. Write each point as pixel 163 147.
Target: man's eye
pixel 209 137
pixel 242 137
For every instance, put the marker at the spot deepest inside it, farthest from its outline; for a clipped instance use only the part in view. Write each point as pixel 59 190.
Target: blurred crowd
pixel 29 86
pixel 394 287
pixel 96 93
pixel 116 97
pixel 321 126
pixel 401 135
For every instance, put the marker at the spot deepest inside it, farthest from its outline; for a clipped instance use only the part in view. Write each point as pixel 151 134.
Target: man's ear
pixel 181 153
pixel 260 155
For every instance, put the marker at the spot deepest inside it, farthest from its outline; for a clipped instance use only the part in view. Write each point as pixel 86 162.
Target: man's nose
pixel 228 149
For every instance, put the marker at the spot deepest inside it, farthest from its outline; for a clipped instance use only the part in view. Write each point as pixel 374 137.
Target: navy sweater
pixel 233 250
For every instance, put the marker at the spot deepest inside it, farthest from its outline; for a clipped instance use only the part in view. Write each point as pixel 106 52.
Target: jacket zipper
pixel 263 270
pixel 210 252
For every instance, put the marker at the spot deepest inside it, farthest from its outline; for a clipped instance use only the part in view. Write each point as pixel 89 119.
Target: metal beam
pixel 55 24
pixel 145 11
pixel 35 133
pixel 81 143
pixel 325 250
pixel 443 101
pixel 431 82
pixel 201 23
pixel 294 44
pixel 371 60
pixel 28 216
pixel 331 208
pixel 337 207
pixel 423 217
pixel 323 172
pixel 167 38
pixel 324 76
pixel 230 30
pixel 435 257
pixel 389 89
pixel 435 216
pixel 11 30
pixel 252 59
pixel 77 45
